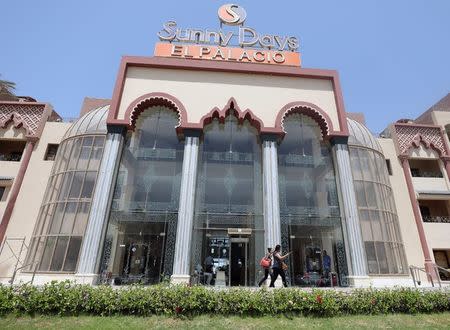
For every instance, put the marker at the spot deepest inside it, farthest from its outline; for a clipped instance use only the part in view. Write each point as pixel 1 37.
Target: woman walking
pixel 277 266
pixel 266 269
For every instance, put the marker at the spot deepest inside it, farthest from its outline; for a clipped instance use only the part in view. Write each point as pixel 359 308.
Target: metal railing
pixel 417 271
pixel 442 269
pixel 436 218
pixel 17 255
pixel 426 174
pixel 415 274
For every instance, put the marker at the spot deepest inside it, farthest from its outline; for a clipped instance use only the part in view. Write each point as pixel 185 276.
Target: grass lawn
pixel 398 321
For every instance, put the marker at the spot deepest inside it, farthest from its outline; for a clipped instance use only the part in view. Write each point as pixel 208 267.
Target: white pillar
pixel 183 243
pixel 272 224
pixel 98 215
pixel 352 225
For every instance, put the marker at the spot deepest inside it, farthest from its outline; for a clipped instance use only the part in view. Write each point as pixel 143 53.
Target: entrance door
pixel 312 262
pixel 238 261
pixel 142 259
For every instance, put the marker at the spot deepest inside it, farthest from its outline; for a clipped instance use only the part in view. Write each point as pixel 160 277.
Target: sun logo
pixel 232 14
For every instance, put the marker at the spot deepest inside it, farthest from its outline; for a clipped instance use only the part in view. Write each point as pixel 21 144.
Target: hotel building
pixel 196 157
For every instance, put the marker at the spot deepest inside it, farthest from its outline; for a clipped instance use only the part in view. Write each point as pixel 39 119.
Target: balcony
pixel 427 175
pixel 435 211
pixel 11 150
pixel 425 168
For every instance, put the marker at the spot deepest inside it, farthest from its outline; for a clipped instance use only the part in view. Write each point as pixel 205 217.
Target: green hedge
pixel 67 298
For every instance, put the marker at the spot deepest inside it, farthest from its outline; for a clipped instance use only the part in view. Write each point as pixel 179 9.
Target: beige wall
pixel 10 132
pixel 26 209
pixel 441 118
pixel 438 235
pixel 9 169
pixel 405 213
pixel 430 184
pixel 423 152
pixel 201 91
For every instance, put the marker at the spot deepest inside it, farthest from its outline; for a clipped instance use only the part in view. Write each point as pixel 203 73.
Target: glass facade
pixel 228 219
pixel 228 237
pixel 140 239
pixel 309 207
pixel 377 213
pixel 59 232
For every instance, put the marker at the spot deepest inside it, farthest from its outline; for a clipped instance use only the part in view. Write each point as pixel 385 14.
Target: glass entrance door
pixel 139 252
pixel 142 258
pixel 238 262
pixel 317 256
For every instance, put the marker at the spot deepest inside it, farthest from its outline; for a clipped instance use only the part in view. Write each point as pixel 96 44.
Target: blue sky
pixel 393 57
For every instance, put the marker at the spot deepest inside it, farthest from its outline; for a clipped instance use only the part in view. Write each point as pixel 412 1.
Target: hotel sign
pixel 247 45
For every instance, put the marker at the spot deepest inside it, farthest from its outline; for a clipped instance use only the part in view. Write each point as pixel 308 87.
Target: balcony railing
pixel 436 218
pixel 425 174
pixel 12 157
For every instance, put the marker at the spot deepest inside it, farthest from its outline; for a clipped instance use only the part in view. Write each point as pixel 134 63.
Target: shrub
pixel 68 298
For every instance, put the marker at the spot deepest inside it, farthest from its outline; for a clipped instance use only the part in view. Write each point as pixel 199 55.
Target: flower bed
pixel 66 298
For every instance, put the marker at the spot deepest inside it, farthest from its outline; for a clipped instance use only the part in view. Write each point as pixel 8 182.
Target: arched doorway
pixel 140 239
pixel 228 222
pixel 309 207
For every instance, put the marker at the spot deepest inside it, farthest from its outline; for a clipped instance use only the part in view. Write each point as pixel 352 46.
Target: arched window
pixel 64 213
pixel 140 239
pixel 309 207
pixel 228 210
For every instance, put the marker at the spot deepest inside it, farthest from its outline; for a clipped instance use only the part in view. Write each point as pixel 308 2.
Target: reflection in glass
pixel 228 222
pixel 309 209
pixel 63 214
pixel 140 240
pixel 377 212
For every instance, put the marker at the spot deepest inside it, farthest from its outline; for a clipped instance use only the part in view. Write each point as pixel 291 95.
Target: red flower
pixel 178 309
pixel 319 299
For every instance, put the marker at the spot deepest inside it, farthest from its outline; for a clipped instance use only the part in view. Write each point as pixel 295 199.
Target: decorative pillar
pixel 417 216
pixel 98 216
pixel 272 223
pixel 16 188
pixel 352 225
pixel 183 243
pixel 446 160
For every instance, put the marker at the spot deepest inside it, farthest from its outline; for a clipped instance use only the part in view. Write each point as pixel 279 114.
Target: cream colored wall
pixel 28 202
pixel 438 235
pixel 441 118
pixel 430 184
pixel 408 228
pixel 201 91
pixel 9 169
pixel 10 132
pixel 423 152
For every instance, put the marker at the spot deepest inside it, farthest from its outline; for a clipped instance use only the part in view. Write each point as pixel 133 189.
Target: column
pixel 349 206
pixel 183 243
pixel 98 216
pixel 272 224
pixel 16 188
pixel 417 216
pixel 446 161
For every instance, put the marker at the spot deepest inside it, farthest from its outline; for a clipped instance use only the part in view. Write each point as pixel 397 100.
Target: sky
pixel 393 57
